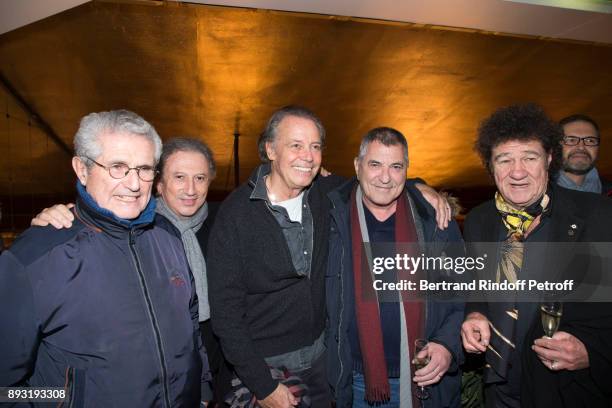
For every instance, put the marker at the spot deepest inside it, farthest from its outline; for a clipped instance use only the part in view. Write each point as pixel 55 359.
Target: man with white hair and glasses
pixel 105 309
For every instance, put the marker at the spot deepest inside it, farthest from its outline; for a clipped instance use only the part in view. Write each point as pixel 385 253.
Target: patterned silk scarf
pixel 517 222
pixel 503 315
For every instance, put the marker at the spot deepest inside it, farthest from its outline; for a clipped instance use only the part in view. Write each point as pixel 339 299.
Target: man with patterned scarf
pixel 371 344
pixel 520 146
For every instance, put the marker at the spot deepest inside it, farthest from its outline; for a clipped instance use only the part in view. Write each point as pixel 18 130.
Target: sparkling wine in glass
pixel 420 344
pixel 551 313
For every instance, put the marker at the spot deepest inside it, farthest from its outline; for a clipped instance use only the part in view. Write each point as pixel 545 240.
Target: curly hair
pixel 523 122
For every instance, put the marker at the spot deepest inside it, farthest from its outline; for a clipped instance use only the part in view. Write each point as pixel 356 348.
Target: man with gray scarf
pixel 186 170
pixel 187 167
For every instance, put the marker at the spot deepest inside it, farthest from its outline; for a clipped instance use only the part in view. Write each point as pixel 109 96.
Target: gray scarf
pixel 591 184
pixel 188 228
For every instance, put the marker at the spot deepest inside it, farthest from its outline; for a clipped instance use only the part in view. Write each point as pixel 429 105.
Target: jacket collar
pixel 104 220
pixel 257 183
pixel 592 182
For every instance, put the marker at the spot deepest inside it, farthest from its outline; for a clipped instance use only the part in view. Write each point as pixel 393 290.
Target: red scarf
pixel 377 387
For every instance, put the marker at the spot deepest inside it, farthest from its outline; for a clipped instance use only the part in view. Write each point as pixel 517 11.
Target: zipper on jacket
pixel 69 387
pixel 156 331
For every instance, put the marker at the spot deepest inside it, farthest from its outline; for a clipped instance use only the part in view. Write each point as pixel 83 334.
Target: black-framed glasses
pixel 575 140
pixel 121 170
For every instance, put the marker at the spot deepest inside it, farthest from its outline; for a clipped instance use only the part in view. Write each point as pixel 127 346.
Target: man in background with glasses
pixel 580 151
pixel 106 310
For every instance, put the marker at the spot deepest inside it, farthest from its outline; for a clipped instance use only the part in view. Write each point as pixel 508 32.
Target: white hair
pixel 86 142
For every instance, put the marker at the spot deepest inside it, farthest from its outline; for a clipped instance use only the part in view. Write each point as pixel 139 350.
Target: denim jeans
pixel 359 393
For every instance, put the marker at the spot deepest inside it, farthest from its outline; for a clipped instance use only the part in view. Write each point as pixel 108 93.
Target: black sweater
pixel 260 306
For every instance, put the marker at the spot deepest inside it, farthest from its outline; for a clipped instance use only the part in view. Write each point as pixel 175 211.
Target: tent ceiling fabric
pixel 584 20
pixel 543 18
pixel 201 70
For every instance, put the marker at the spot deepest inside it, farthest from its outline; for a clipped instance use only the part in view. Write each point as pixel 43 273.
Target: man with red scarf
pixel 371 344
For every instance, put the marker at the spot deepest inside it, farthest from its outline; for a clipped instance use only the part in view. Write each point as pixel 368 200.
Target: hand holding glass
pixel 419 345
pixel 551 317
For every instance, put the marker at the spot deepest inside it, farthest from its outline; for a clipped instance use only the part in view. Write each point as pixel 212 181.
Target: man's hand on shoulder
pixel 324 172
pixel 439 202
pixel 59 216
pixel 280 398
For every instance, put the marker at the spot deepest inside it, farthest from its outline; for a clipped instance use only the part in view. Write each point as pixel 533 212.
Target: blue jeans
pixel 359 393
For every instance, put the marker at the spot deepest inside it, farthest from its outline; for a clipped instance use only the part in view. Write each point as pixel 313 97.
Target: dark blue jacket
pixel 443 319
pixel 104 308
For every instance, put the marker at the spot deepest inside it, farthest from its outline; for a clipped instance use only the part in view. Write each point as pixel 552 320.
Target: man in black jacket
pixel 520 147
pixel 267 257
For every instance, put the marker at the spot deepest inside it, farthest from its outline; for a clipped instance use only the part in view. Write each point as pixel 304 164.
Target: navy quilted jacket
pixel 104 308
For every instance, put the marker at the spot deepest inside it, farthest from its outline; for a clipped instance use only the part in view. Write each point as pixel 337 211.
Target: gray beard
pixel 577 172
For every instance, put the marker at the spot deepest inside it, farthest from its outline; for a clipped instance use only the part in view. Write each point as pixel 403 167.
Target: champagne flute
pixel 419 345
pixel 551 313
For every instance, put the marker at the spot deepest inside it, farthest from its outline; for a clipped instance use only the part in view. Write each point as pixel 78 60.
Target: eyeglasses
pixel 575 140
pixel 121 170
